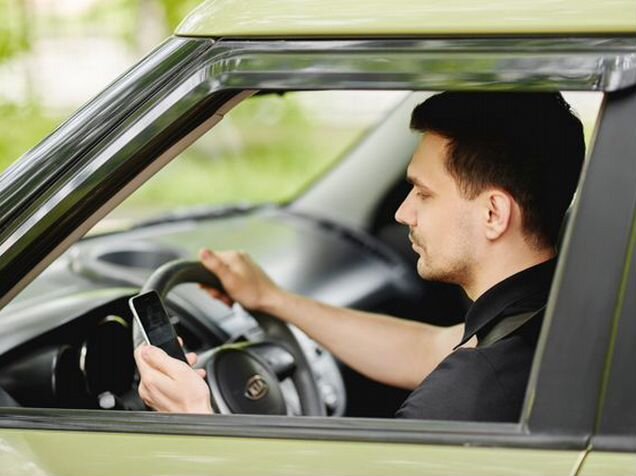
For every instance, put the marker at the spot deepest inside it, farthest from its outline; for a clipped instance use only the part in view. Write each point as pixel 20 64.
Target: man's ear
pixel 498 208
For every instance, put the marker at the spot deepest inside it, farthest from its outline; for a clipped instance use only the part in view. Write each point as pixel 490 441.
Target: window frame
pixel 202 81
pixel 593 236
pixel 616 422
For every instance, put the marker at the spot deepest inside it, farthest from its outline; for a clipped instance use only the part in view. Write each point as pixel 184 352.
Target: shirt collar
pixel 524 291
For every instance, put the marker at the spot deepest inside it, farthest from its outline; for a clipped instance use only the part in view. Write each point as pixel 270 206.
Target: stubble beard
pixel 456 271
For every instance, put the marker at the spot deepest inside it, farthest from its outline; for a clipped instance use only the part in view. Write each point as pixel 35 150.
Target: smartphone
pixel 152 317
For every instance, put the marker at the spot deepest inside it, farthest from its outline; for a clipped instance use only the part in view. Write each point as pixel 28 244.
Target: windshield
pixel 268 149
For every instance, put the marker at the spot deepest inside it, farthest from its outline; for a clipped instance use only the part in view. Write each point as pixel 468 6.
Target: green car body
pixel 68 442
pixel 376 19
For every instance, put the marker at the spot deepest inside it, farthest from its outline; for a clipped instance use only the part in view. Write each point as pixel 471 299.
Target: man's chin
pixel 424 270
pixel 430 273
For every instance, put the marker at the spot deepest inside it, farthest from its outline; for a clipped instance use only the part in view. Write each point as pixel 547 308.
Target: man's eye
pixel 420 193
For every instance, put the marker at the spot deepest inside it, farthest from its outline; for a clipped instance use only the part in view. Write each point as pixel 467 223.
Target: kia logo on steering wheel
pixel 256 387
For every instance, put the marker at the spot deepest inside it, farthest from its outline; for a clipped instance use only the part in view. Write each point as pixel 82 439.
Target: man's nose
pixel 404 213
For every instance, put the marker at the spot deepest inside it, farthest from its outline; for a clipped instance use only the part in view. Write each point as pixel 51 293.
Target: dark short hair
pixel 529 144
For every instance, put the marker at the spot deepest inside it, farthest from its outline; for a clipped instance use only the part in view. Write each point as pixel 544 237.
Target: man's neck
pixel 503 266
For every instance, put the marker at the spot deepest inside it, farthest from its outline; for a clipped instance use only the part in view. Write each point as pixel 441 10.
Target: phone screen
pixel 155 323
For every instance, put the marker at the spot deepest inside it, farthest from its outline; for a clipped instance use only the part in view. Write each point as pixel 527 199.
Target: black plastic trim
pixel 614 443
pixel 565 388
pixel 619 411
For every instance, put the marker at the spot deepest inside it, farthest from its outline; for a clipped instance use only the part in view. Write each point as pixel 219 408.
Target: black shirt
pixel 487 383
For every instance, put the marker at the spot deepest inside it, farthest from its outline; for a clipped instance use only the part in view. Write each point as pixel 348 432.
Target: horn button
pixel 244 383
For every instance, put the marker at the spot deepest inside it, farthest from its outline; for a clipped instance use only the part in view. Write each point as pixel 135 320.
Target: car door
pixel 187 85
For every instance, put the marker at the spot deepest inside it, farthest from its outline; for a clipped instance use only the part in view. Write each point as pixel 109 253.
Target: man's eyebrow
pixel 417 182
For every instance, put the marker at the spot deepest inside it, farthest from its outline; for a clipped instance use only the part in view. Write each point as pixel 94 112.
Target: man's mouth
pixel 414 244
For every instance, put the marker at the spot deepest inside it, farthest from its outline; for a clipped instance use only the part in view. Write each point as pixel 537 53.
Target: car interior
pixel 66 339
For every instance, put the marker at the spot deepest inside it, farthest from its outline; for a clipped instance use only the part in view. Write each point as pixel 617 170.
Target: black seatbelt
pixel 507 326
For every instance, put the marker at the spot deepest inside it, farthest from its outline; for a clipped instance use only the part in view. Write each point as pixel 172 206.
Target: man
pixel 491 179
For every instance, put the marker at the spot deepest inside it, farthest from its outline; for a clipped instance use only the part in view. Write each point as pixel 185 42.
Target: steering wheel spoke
pixel 276 356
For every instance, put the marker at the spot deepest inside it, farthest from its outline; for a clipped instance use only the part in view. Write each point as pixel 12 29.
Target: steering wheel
pixel 245 377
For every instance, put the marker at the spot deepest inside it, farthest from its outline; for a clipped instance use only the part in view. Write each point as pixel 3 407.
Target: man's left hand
pixel 170 385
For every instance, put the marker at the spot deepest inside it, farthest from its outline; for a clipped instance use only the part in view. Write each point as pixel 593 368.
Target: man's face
pixel 443 225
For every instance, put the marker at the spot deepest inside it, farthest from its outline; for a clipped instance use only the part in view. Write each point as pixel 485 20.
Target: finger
pixel 192 358
pixel 213 292
pixel 201 372
pixel 146 371
pixel 152 398
pixel 228 255
pixel 225 299
pixel 156 359
pixel 141 364
pixel 153 387
pixel 232 258
pixel 218 295
pixel 144 394
pixel 180 341
pixel 157 389
pixel 220 264
pixel 214 263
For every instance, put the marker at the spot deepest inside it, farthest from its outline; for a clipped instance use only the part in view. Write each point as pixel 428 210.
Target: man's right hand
pixel 244 281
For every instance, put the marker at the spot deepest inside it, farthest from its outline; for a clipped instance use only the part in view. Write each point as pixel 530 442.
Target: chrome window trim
pixel 586 64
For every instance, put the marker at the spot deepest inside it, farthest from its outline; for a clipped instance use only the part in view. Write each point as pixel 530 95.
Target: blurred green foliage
pixel 124 17
pixel 176 10
pixel 267 150
pixel 25 124
pixel 21 128
pixel 14 31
